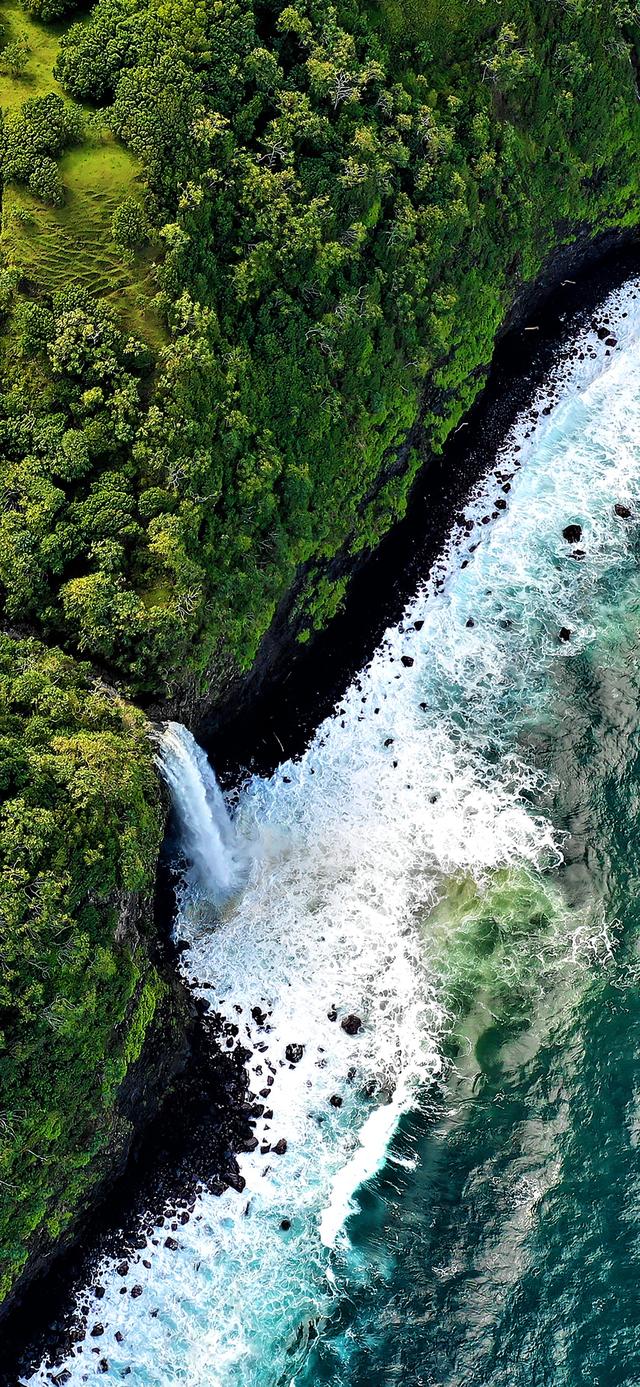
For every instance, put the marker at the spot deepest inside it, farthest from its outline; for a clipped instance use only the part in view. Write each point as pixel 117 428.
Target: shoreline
pixel 293 687
pixel 284 718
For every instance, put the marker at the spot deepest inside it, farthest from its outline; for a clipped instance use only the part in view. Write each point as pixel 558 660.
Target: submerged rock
pixel 622 511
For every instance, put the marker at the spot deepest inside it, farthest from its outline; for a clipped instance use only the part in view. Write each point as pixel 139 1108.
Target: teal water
pixel 507 1250
pixel 454 862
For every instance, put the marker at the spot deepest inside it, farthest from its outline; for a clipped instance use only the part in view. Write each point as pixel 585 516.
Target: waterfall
pixel 206 831
pixel 398 894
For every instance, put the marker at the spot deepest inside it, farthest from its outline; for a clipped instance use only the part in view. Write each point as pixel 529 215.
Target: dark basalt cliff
pixel 291 686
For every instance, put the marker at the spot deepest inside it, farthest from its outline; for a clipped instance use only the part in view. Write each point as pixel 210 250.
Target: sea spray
pixel 421 782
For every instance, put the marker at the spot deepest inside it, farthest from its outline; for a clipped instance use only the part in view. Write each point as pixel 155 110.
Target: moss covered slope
pixel 80 826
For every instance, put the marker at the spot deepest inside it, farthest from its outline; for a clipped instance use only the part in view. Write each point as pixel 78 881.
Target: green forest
pixel 245 244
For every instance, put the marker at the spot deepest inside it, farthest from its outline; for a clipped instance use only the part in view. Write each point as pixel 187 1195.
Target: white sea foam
pixel 417 777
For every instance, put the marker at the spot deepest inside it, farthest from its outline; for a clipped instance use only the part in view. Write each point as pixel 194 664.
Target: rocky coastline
pixel 184 1107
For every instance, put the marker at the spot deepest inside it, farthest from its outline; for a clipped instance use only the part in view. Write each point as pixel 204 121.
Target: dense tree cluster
pixel 79 831
pixel 32 138
pixel 346 202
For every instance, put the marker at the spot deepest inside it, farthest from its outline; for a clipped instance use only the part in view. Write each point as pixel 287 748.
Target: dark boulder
pixel 280 1147
pixel 294 1053
pixel 572 534
pixel 351 1024
pixel 622 511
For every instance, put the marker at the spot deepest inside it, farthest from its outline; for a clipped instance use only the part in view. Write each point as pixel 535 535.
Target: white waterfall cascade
pixel 206 830
pixel 347 882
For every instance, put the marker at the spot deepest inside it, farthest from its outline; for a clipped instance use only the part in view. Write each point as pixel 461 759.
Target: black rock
pixel 285 1223
pixel 97 1330
pixel 249 1144
pixel 136 1291
pixel 118 1336
pixel 564 633
pixel 98 1292
pixel 294 1053
pixel 622 511
pixel 572 534
pixel 235 1181
pixel 470 622
pixel 335 1101
pixel 280 1147
pixel 171 1244
pixel 351 1024
pixel 103 1365
pixel 407 661
pixel 122 1269
pixel 332 1015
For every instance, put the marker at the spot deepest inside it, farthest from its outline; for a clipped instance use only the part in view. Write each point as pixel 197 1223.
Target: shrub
pixel 129 226
pixel 45 182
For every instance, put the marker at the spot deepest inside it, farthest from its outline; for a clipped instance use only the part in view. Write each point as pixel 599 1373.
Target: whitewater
pixel 331 894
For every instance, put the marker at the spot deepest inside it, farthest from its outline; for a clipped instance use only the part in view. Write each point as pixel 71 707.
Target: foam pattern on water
pixel 419 778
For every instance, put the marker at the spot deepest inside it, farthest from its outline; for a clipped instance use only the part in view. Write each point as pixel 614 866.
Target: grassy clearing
pixel 43 41
pixel 52 246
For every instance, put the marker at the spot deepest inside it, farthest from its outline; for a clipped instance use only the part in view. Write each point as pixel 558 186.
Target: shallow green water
pixel 506 1250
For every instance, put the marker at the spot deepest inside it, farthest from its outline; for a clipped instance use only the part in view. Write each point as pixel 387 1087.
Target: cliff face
pixel 271 694
pixel 93 1025
pixel 162 1048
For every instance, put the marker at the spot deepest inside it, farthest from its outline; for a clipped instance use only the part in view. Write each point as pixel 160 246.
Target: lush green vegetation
pixel 79 834
pixel 243 245
pixel 340 201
